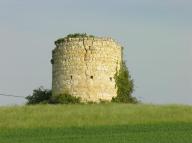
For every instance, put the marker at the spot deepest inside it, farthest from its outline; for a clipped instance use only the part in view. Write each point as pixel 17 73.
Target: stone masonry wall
pixel 85 67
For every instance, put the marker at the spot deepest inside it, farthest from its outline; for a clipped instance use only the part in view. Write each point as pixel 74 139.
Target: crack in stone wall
pixel 85 57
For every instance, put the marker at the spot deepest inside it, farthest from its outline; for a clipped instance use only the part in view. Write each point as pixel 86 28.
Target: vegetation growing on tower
pixel 74 35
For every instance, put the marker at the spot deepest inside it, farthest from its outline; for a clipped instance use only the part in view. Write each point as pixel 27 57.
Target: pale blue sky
pixel 157 36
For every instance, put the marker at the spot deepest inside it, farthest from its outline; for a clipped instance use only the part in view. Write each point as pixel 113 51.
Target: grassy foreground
pixel 111 123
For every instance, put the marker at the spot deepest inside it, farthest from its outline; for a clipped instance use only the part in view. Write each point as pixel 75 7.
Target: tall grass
pixel 156 133
pixel 56 116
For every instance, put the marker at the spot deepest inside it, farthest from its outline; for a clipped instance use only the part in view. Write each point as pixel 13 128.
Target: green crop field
pixel 92 123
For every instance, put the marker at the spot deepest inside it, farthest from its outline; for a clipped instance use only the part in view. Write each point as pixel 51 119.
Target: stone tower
pixel 85 67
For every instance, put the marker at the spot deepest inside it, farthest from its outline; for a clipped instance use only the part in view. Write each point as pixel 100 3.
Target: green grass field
pixel 92 123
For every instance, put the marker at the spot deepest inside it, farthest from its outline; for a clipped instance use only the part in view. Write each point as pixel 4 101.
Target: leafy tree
pixel 40 95
pixel 125 86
